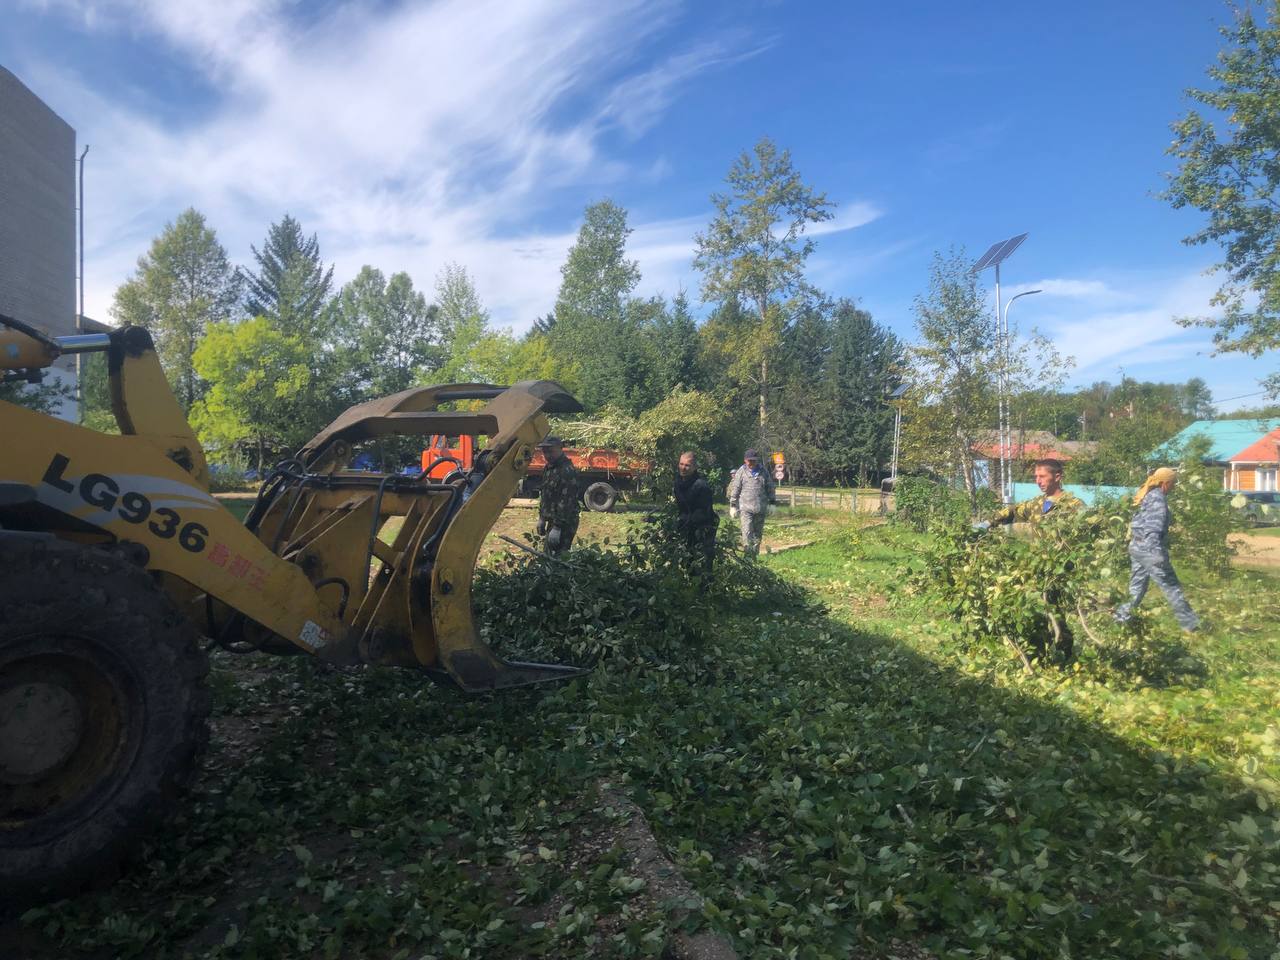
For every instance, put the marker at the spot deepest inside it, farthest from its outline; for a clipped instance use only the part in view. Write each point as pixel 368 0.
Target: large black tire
pixel 103 712
pixel 600 497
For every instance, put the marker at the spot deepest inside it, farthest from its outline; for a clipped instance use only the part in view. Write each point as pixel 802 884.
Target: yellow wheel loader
pixel 116 563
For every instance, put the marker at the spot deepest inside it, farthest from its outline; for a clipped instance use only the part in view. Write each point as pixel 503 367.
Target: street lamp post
pixel 897 430
pixel 993 258
pixel 1006 427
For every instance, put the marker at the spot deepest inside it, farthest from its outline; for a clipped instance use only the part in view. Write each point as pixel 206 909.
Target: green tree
pixel 464 322
pixel 476 353
pixel 44 397
pixel 1093 412
pixel 1132 418
pixel 597 278
pixel 835 369
pixel 1253 413
pixel 95 394
pixel 754 251
pixel 1228 170
pixel 387 333
pixel 1196 399
pixel 864 367
pixel 598 323
pixel 803 413
pixel 954 372
pixel 499 357
pixel 259 379
pixel 461 312
pixel 291 285
pixel 182 284
pixel 673 344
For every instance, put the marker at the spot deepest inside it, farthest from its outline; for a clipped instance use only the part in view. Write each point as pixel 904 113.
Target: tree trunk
pixel 764 389
pixel 261 457
pixel 966 469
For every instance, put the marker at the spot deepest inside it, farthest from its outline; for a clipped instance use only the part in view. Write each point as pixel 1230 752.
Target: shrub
pixel 925 504
pixel 642 600
pixel 1023 591
pixel 1202 518
pixel 227 472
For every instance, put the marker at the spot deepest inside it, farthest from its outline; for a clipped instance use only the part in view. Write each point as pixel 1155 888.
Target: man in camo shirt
pixel 558 503
pixel 1052 499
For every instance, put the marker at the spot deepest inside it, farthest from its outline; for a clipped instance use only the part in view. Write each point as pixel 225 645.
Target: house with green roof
pixel 1245 449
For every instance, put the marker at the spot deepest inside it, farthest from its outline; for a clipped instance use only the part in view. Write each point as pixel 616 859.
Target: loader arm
pixel 351 566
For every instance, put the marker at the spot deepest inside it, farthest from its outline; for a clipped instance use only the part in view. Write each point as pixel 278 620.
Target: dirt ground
pixel 782 531
pixel 1254 550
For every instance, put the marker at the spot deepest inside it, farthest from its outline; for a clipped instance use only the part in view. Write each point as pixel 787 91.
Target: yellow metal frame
pixel 310 575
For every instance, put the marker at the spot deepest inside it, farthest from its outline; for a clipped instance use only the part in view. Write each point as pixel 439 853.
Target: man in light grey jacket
pixel 751 494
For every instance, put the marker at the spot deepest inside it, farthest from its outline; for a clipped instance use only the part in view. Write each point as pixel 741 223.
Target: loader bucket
pixel 418 611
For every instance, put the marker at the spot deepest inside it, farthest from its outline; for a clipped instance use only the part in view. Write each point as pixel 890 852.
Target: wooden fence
pixel 853 501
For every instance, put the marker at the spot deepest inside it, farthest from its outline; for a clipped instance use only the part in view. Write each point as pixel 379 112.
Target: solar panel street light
pixel 997 254
pixel 897 394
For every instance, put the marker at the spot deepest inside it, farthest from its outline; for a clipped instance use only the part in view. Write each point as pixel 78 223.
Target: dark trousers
pixel 568 530
pixel 701 544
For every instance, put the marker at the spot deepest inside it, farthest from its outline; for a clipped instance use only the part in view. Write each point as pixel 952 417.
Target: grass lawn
pixel 831 782
pixel 239 506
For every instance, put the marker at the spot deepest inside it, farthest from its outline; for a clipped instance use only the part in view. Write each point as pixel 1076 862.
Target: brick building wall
pixel 37 215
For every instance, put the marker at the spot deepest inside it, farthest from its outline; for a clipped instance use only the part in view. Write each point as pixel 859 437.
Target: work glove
pixel 553 538
pixel 733 512
pixel 982 525
pixel 542 527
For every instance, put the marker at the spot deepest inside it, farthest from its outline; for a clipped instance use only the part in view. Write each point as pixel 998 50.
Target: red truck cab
pixel 602 473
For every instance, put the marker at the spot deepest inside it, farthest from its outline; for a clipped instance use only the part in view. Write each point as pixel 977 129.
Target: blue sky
pixel 408 135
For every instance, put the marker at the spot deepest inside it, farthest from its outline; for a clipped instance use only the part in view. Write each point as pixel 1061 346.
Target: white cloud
pixel 1108 326
pixel 406 137
pixel 848 217
pixel 638 102
pixel 1072 289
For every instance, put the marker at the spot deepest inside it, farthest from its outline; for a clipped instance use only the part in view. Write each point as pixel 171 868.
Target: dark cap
pixel 552 442
pixel 751 455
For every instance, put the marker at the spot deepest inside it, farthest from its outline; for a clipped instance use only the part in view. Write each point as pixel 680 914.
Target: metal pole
pixel 897 434
pixel 80 310
pixel 1007 413
pixel 1000 388
pixel 80 211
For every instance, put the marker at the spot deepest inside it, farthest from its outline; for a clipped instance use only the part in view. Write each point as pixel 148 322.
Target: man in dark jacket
pixel 558 503
pixel 697 519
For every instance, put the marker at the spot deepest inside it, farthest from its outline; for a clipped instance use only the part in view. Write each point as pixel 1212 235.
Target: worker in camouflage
pixel 1053 499
pixel 751 497
pixel 1149 551
pixel 558 503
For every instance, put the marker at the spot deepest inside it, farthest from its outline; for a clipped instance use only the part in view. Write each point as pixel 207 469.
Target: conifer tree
pixel 291 286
